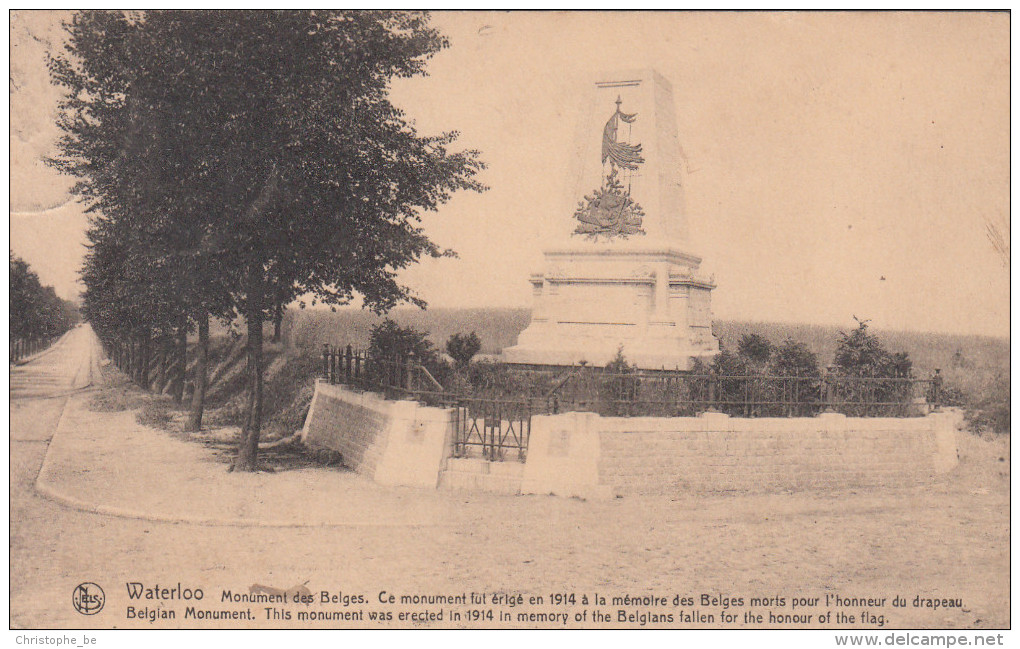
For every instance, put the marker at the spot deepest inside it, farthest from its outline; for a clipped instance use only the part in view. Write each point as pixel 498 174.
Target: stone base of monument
pixel 594 299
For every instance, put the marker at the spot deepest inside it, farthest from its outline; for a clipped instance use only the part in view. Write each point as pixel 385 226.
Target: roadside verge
pixel 107 463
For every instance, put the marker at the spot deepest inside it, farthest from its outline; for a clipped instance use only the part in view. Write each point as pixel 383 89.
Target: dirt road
pixel 948 540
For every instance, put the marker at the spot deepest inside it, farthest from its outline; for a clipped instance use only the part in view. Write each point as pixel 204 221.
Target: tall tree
pixel 266 142
pixel 126 141
pixel 34 310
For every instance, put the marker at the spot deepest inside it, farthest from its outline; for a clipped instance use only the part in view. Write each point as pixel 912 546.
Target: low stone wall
pixel 391 442
pixel 582 454
pixel 564 454
pixel 585 455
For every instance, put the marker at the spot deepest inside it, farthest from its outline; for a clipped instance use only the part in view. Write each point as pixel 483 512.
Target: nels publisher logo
pixel 88 598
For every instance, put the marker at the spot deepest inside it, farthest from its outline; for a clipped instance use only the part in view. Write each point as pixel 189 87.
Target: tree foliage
pixel 990 411
pixel 388 340
pixel 34 310
pixel 619 364
pixel 463 347
pixel 793 359
pixel 861 353
pixel 727 363
pixel 619 391
pixel 869 371
pixel 237 160
pixel 755 350
pixel 392 346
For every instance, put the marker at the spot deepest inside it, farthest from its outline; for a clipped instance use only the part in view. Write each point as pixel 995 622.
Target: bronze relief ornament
pixel 610 211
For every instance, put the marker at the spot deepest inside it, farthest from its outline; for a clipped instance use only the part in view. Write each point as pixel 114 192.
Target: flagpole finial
pixel 618 102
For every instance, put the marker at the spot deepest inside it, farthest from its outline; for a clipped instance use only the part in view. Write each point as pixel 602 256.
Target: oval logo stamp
pixel 88 598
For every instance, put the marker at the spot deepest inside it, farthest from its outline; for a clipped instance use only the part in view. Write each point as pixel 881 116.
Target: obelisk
pixel 620 275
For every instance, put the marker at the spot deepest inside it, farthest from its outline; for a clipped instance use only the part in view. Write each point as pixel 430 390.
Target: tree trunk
pixel 248 450
pixel 136 364
pixel 247 453
pixel 134 372
pixel 180 362
pixel 167 355
pixel 161 364
pixel 277 320
pixel 136 360
pixel 201 370
pixel 146 361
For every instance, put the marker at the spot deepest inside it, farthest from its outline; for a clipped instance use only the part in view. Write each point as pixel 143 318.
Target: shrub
pixel 619 364
pixel 726 363
pixel 759 392
pixel 699 367
pixel 729 391
pixel 793 359
pixel 755 349
pixel 952 396
pixel 619 392
pixel 389 347
pixel 388 340
pixel 990 411
pixel 860 353
pixel 499 380
pixel 463 347
pixel 793 386
pixel 157 413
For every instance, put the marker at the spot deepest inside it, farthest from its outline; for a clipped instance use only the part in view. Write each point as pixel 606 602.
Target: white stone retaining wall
pixel 585 455
pixel 391 442
pixel 717 453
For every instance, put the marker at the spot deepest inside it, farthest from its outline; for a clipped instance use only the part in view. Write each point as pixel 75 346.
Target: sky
pixel 837 164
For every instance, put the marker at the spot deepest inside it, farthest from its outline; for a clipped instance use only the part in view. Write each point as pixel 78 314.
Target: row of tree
pixel 863 377
pixel 859 354
pixel 234 161
pixel 35 311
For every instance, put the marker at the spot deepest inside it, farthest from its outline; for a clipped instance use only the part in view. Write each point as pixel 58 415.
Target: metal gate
pixel 493 429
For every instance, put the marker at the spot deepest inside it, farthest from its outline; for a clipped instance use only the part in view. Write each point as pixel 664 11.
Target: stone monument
pixel 621 274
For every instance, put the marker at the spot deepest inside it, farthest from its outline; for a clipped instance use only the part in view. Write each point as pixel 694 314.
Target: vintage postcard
pixel 510 320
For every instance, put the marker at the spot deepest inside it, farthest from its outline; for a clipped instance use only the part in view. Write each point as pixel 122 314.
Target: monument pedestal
pixel 623 278
pixel 595 298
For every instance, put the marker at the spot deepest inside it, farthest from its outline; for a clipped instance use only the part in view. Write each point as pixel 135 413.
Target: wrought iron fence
pixel 647 393
pixel 676 394
pixel 493 420
pixel 358 368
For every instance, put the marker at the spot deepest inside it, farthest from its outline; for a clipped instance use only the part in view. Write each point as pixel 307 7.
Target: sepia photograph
pixel 378 319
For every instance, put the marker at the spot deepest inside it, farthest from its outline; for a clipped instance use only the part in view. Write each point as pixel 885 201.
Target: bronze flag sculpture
pixel 610 211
